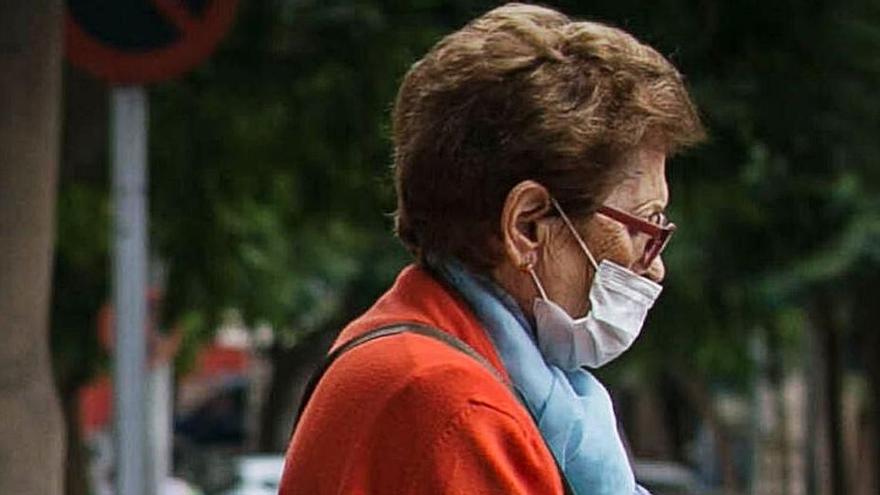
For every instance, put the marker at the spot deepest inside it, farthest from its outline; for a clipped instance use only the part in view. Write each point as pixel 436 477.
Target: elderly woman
pixel 530 157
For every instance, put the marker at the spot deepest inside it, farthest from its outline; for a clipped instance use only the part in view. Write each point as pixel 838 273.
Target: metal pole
pixel 160 425
pixel 129 163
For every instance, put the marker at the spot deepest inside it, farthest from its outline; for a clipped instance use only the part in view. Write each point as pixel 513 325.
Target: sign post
pixel 129 164
pixel 129 44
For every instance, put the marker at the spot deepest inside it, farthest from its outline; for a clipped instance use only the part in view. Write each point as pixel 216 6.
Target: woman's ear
pixel 525 204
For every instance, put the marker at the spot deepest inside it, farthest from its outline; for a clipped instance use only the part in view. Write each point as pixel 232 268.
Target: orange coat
pixel 410 415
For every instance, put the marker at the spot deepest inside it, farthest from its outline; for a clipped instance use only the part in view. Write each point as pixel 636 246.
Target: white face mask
pixel 619 302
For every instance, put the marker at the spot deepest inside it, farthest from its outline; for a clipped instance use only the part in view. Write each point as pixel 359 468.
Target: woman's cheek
pixel 565 272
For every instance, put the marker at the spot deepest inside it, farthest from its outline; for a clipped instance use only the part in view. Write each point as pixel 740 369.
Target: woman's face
pixel 562 266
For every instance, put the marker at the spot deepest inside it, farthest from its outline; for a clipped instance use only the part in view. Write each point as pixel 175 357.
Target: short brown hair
pixel 523 92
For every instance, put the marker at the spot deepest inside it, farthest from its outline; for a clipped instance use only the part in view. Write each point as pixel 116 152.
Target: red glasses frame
pixel 659 234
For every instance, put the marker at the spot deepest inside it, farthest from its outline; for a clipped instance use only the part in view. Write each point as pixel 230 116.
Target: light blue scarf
pixel 572 408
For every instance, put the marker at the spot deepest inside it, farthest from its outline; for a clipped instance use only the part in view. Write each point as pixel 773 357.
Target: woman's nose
pixel 656 271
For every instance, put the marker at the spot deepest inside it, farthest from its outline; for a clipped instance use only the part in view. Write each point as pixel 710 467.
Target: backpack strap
pixel 427 331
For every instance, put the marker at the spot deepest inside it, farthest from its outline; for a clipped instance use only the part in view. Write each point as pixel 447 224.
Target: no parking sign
pixel 144 41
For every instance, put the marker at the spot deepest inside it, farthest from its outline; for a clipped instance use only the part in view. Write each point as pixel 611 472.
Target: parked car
pixel 257 475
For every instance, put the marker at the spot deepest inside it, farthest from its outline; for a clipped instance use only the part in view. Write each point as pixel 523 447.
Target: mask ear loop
pixel 577 236
pixel 529 266
pixel 531 271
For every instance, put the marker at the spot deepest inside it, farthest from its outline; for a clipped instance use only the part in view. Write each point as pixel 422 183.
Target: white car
pixel 257 475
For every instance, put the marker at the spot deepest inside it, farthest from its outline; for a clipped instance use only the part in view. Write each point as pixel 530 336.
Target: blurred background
pixel 269 201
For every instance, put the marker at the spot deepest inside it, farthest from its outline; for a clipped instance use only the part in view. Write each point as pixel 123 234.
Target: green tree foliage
pixel 271 163
pixel 80 284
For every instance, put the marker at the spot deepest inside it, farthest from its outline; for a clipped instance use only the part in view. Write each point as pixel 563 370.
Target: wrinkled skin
pixel 560 264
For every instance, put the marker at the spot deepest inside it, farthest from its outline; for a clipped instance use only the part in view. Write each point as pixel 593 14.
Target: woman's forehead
pixel 643 179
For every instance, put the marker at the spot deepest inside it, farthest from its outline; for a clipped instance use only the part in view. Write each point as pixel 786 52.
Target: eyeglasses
pixel 659 230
